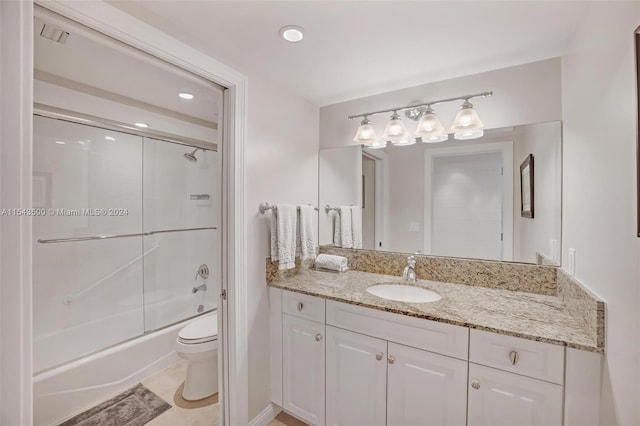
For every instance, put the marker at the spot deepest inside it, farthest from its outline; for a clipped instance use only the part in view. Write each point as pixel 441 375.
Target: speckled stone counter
pixel 527 315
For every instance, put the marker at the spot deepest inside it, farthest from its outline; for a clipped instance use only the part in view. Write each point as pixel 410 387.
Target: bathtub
pixel 67 390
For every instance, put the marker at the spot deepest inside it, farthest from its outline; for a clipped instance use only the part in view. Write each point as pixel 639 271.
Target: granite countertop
pixel 515 313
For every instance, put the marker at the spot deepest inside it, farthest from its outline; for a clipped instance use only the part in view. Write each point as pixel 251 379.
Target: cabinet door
pixel 425 388
pixel 498 398
pixel 303 368
pixel 356 379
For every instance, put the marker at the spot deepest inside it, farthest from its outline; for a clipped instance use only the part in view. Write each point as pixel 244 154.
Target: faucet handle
pixel 411 260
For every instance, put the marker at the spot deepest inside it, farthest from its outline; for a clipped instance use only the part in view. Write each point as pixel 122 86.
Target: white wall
pixel 282 167
pixel 599 196
pixel 537 234
pixel 523 94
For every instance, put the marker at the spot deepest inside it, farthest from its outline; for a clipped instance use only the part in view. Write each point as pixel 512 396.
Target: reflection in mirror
pixel 457 198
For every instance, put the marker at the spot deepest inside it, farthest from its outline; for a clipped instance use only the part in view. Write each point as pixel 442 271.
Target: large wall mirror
pixel 497 197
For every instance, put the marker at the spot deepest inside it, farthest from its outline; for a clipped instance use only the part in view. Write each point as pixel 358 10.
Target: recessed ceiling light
pixel 291 33
pixel 143 125
pixel 110 138
pixel 60 142
pixel 185 95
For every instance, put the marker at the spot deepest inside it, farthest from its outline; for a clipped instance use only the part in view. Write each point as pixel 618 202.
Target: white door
pixel 498 398
pixel 425 389
pixel 356 379
pixel 466 216
pixel 303 368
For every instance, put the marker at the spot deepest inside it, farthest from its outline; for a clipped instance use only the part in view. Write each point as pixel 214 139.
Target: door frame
pixel 506 149
pixel 16 101
pixel 382 194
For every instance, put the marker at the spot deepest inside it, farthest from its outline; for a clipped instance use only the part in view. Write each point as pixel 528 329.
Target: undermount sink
pixel 404 293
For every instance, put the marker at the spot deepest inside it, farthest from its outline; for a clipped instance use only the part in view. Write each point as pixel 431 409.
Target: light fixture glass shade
pixel 378 145
pixel 435 138
pixel 395 130
pixel 366 134
pixel 429 124
pixel 466 119
pixel 405 142
pixel 468 134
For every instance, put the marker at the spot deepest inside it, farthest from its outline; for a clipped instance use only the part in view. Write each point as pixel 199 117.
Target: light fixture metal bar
pixel 440 101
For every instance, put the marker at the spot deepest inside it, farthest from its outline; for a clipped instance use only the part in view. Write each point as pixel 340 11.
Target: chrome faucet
pixel 409 273
pixel 203 272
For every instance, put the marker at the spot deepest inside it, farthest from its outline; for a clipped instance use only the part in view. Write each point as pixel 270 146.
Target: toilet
pixel 198 344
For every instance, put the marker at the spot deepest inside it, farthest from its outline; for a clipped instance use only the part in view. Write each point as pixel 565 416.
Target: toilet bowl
pixel 197 343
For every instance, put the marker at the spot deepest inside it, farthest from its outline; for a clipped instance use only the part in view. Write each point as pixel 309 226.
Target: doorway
pixel 368 202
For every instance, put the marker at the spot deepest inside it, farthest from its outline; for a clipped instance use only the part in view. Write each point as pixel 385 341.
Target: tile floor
pixel 165 384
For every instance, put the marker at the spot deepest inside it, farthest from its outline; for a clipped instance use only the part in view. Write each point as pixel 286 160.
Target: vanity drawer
pixel 303 305
pixel 432 336
pixel 539 360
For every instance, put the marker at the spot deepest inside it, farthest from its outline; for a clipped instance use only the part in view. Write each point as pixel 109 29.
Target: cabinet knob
pixel 475 383
pixel 318 337
pixel 300 306
pixel 379 356
pixel 514 357
pixel 391 359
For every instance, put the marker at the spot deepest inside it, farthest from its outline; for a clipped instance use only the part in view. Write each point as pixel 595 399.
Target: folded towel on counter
pixel 345 233
pixel 332 262
pixel 306 236
pixel 356 226
pixel 283 236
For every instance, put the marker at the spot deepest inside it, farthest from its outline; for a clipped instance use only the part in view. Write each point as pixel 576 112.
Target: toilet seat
pixel 200 331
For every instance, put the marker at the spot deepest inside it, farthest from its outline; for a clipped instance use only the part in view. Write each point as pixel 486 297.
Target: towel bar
pixel 264 206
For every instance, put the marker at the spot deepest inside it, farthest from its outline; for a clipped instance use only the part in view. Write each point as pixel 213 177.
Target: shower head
pixel 190 156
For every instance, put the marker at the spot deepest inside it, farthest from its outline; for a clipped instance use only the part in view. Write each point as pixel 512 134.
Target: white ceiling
pixel 358 48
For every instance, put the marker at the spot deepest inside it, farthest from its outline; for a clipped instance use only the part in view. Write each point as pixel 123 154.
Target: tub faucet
pixel 202 287
pixel 409 273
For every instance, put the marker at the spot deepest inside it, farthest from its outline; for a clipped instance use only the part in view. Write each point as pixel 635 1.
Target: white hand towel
pixel 283 236
pixel 331 262
pixel 337 241
pixel 346 233
pixel 307 240
pixel 356 226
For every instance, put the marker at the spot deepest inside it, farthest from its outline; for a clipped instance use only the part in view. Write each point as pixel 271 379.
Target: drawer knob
pixel 318 337
pixel 514 357
pixel 475 383
pixel 379 356
pixel 300 306
pixel 391 359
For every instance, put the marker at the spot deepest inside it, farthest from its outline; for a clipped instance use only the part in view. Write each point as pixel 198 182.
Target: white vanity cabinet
pixel 303 357
pixel 514 381
pixel 356 379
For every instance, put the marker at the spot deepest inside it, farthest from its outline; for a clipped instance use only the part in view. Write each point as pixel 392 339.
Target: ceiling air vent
pixel 54 33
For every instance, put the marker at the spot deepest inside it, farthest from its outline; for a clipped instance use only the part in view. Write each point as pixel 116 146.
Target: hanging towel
pixel 346 233
pixel 331 262
pixel 356 226
pixel 306 235
pixel 337 241
pixel 283 236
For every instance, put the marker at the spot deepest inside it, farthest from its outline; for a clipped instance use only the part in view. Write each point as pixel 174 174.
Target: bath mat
pixel 133 407
pixel 183 403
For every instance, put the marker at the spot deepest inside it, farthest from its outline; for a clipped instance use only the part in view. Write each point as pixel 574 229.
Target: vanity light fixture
pixel 291 33
pixel 186 95
pixel 366 134
pixel 141 125
pixel 467 124
pixel 396 132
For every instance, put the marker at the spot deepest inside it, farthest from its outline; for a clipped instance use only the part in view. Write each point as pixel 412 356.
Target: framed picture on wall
pixel 526 187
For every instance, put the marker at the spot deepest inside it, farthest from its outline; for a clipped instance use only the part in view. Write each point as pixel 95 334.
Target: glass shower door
pixel 87 293
pixel 181 211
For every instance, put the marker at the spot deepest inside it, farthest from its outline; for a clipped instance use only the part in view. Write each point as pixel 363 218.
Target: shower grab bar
pixel 107 237
pixel 73 296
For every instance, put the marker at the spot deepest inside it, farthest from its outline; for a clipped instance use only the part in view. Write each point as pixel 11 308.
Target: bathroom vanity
pixel 481 355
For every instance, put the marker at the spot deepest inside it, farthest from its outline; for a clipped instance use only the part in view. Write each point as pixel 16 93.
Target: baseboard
pixel 265 416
